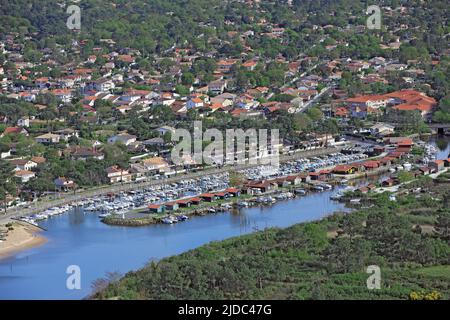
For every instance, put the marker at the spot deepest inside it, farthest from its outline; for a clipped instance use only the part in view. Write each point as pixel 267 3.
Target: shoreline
pixel 23 237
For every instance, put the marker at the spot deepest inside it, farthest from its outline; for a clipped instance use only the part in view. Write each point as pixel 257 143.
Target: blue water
pixel 81 239
pixel 442 143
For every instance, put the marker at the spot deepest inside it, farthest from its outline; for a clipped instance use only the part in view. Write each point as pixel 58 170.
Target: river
pixel 79 238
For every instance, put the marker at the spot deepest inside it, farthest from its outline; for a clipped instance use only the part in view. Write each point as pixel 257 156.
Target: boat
pixel 167 221
pixel 104 215
pixel 318 188
pixel 336 196
pixel 182 218
pixel 242 204
pixel 301 192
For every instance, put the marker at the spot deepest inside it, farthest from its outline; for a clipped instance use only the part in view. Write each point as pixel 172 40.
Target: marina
pixel 80 238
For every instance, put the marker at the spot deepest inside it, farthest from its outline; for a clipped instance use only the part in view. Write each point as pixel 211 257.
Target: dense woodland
pixel 407 239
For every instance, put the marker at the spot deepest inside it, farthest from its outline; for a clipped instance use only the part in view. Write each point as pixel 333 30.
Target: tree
pixel 237 179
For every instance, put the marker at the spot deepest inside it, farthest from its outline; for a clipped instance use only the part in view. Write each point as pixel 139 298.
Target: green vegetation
pixel 317 260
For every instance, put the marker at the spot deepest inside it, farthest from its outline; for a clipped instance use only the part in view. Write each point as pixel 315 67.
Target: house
pixel 156 208
pixel 24 165
pixel 184 203
pixel 385 162
pixel 48 138
pixel 262 186
pixel 345 169
pixel 157 142
pixel 66 134
pixel 422 171
pixel 14 131
pixel 155 164
pixel 84 153
pixel 304 177
pixel 235 192
pixel 194 103
pixel 39 160
pixel 389 182
pixel 196 201
pixel 138 171
pixel 217 87
pixel 250 65
pixel 447 162
pixel 281 182
pixel 371 165
pixel 63 95
pixel 165 129
pixel 124 138
pixel 208 197
pixel 382 129
pixel 172 206
pixel 24 175
pixel 222 195
pixel 116 174
pixel 101 85
pixel 436 165
pixel 62 183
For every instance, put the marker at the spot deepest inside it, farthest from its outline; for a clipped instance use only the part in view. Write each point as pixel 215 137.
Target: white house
pixel 116 174
pixel 125 138
pixel 48 138
pixel 24 175
pixel 22 164
pixel 194 103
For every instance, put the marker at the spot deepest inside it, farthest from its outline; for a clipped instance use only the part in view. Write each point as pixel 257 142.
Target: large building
pixel 406 100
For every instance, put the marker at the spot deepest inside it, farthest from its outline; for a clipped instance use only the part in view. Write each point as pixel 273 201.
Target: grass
pixel 442 272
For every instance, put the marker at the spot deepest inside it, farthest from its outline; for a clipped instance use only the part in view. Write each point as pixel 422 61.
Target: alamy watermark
pixel 374 20
pixel 374 280
pixel 73 281
pixel 251 146
pixel 74 20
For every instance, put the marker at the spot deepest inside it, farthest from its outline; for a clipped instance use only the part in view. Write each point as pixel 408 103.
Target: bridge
pixel 439 127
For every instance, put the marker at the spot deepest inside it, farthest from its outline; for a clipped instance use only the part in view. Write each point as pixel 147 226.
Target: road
pixel 314 100
pixel 40 206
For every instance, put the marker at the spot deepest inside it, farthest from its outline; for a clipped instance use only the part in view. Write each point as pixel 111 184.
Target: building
pixel 345 169
pixel 436 165
pixel 172 206
pixel 382 129
pixel 156 208
pixel 48 138
pixel 22 164
pixel 155 164
pixel 24 175
pixel 62 183
pixel 116 174
pixel 66 134
pixel 165 129
pixel 124 138
pixel 217 87
pixel 208 197
pixel 14 131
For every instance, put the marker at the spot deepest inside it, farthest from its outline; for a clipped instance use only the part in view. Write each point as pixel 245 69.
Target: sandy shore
pixel 22 237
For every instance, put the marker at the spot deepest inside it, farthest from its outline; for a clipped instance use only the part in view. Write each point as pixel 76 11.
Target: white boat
pixel 167 221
